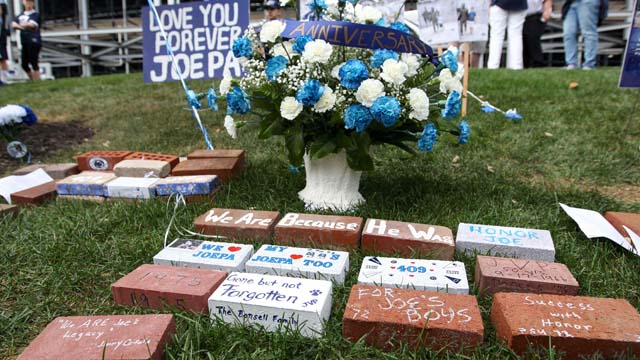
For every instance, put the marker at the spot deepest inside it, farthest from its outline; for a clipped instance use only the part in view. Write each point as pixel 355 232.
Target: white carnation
pixel 335 72
pixel 326 101
pixel 283 49
pixel 413 63
pixel 225 83
pixel 449 82
pixel 367 14
pixel 419 102
pixel 317 51
pixel 230 125
pixel 271 30
pixel 290 108
pixel 369 91
pixel 393 71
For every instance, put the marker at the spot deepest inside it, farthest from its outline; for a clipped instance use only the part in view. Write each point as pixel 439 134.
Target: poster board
pixel 446 21
pixel 630 74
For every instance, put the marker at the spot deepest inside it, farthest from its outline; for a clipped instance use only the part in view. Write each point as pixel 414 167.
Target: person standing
pixel 29 25
pixel 506 16
pixel 582 15
pixel 4 34
pixel 538 13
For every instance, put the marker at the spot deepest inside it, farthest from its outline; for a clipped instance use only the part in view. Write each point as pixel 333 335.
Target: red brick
pixel 385 317
pixel 194 199
pixel 35 195
pixel 155 286
pixel 319 231
pixel 56 171
pixel 111 157
pixel 171 159
pixel 225 168
pixel 8 210
pixel 218 153
pixel 577 326
pixel 238 224
pixel 630 220
pixel 407 239
pixel 496 274
pixel 122 337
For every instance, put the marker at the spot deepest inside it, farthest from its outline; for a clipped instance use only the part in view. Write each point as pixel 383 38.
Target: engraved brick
pixel 225 168
pixel 237 224
pixel 35 195
pixel 100 160
pixel 386 317
pixel 219 153
pixel 87 183
pixel 577 326
pixel 202 254
pixel 142 168
pixel 187 185
pixel 408 239
pixel 171 159
pixel 158 286
pixel 321 231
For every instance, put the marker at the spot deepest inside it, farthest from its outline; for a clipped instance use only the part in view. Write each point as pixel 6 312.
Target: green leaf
pixel 270 125
pixel 294 141
pixel 358 156
pixel 322 147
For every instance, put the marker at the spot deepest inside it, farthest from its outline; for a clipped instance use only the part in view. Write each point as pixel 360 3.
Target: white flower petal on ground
pixel 413 63
pixel 317 51
pixel 326 101
pixel 419 102
pixel 230 125
pixel 290 108
pixel 393 71
pixel 271 30
pixel 369 91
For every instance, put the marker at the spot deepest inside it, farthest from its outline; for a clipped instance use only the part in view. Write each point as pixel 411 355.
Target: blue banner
pixel 360 36
pixel 630 74
pixel 200 34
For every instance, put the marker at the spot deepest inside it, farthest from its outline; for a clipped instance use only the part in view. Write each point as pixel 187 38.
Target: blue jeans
pixel 583 15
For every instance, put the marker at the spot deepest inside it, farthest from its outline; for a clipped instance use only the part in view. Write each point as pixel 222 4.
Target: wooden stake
pixel 465 81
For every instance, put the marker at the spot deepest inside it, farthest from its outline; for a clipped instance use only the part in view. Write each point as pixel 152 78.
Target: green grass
pixel 60 259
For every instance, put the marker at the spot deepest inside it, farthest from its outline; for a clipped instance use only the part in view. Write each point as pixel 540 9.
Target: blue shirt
pixel 30 36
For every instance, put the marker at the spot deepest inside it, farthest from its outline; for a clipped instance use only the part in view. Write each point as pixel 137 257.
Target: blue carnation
pixel 428 138
pixel 242 47
pixel 452 106
pixel 464 130
pixel 212 97
pixel 275 66
pixel 301 41
pixel 237 101
pixel 450 59
pixel 401 27
pixel 310 92
pixel 192 99
pixel 386 110
pixel 317 7
pixel 30 118
pixel 357 116
pixel 487 108
pixel 381 55
pixel 352 73
pixel 381 22
pixel 513 115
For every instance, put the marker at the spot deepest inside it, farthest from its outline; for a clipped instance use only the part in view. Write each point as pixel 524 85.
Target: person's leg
pixel 515 22
pixel 24 60
pixel 588 20
pixel 35 56
pixel 531 33
pixel 498 26
pixel 570 34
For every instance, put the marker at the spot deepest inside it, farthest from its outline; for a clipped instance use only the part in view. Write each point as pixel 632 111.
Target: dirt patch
pixel 45 139
pixel 624 192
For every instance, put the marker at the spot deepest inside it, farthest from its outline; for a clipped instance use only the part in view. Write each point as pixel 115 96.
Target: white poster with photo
pixel 438 21
pixel 473 20
pixel 392 10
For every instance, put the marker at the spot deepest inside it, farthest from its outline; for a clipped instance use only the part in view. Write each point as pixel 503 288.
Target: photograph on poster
pixel 473 20
pixel 438 21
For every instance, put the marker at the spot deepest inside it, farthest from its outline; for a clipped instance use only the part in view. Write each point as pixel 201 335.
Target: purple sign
pixel 200 34
pixel 630 75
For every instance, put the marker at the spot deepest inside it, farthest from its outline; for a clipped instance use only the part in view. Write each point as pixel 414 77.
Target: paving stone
pixel 142 168
pixel 56 171
pixel 431 275
pixel 81 198
pixel 100 160
pixel 273 302
pixel 87 183
pixel 321 231
pixel 159 286
pixel 519 243
pixel 187 185
pixel 171 159
pixel 386 317
pixel 35 195
pixel 225 168
pixel 630 220
pixel 237 224
pixel 108 337
pixel 495 274
pixel 8 210
pixel 408 239
pixel 575 325
pixel 205 254
pixel 300 262
pixel 219 153
pixel 131 188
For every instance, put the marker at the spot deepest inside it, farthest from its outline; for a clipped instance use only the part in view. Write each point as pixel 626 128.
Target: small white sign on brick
pixel 131 188
pixel 429 275
pixel 531 244
pixel 205 255
pixel 300 262
pixel 274 302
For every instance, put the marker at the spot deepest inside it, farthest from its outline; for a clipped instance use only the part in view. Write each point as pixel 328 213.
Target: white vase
pixel 331 184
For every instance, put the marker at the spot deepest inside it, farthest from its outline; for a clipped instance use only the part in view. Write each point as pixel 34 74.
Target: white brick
pixel 205 255
pixel 131 188
pixel 142 168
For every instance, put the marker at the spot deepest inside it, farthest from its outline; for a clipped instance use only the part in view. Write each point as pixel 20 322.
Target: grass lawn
pixel 579 147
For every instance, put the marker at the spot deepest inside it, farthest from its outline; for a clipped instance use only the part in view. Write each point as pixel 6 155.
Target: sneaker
pixel 570 67
pixel 587 68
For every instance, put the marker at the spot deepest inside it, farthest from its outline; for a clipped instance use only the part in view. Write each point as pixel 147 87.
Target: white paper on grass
pixel 15 183
pixel 594 225
pixel 635 239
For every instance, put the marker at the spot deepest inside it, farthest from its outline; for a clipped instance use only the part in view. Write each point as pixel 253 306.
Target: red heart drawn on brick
pixel 234 248
pixel 413 262
pixel 393 267
pixel 411 275
pixel 296 256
